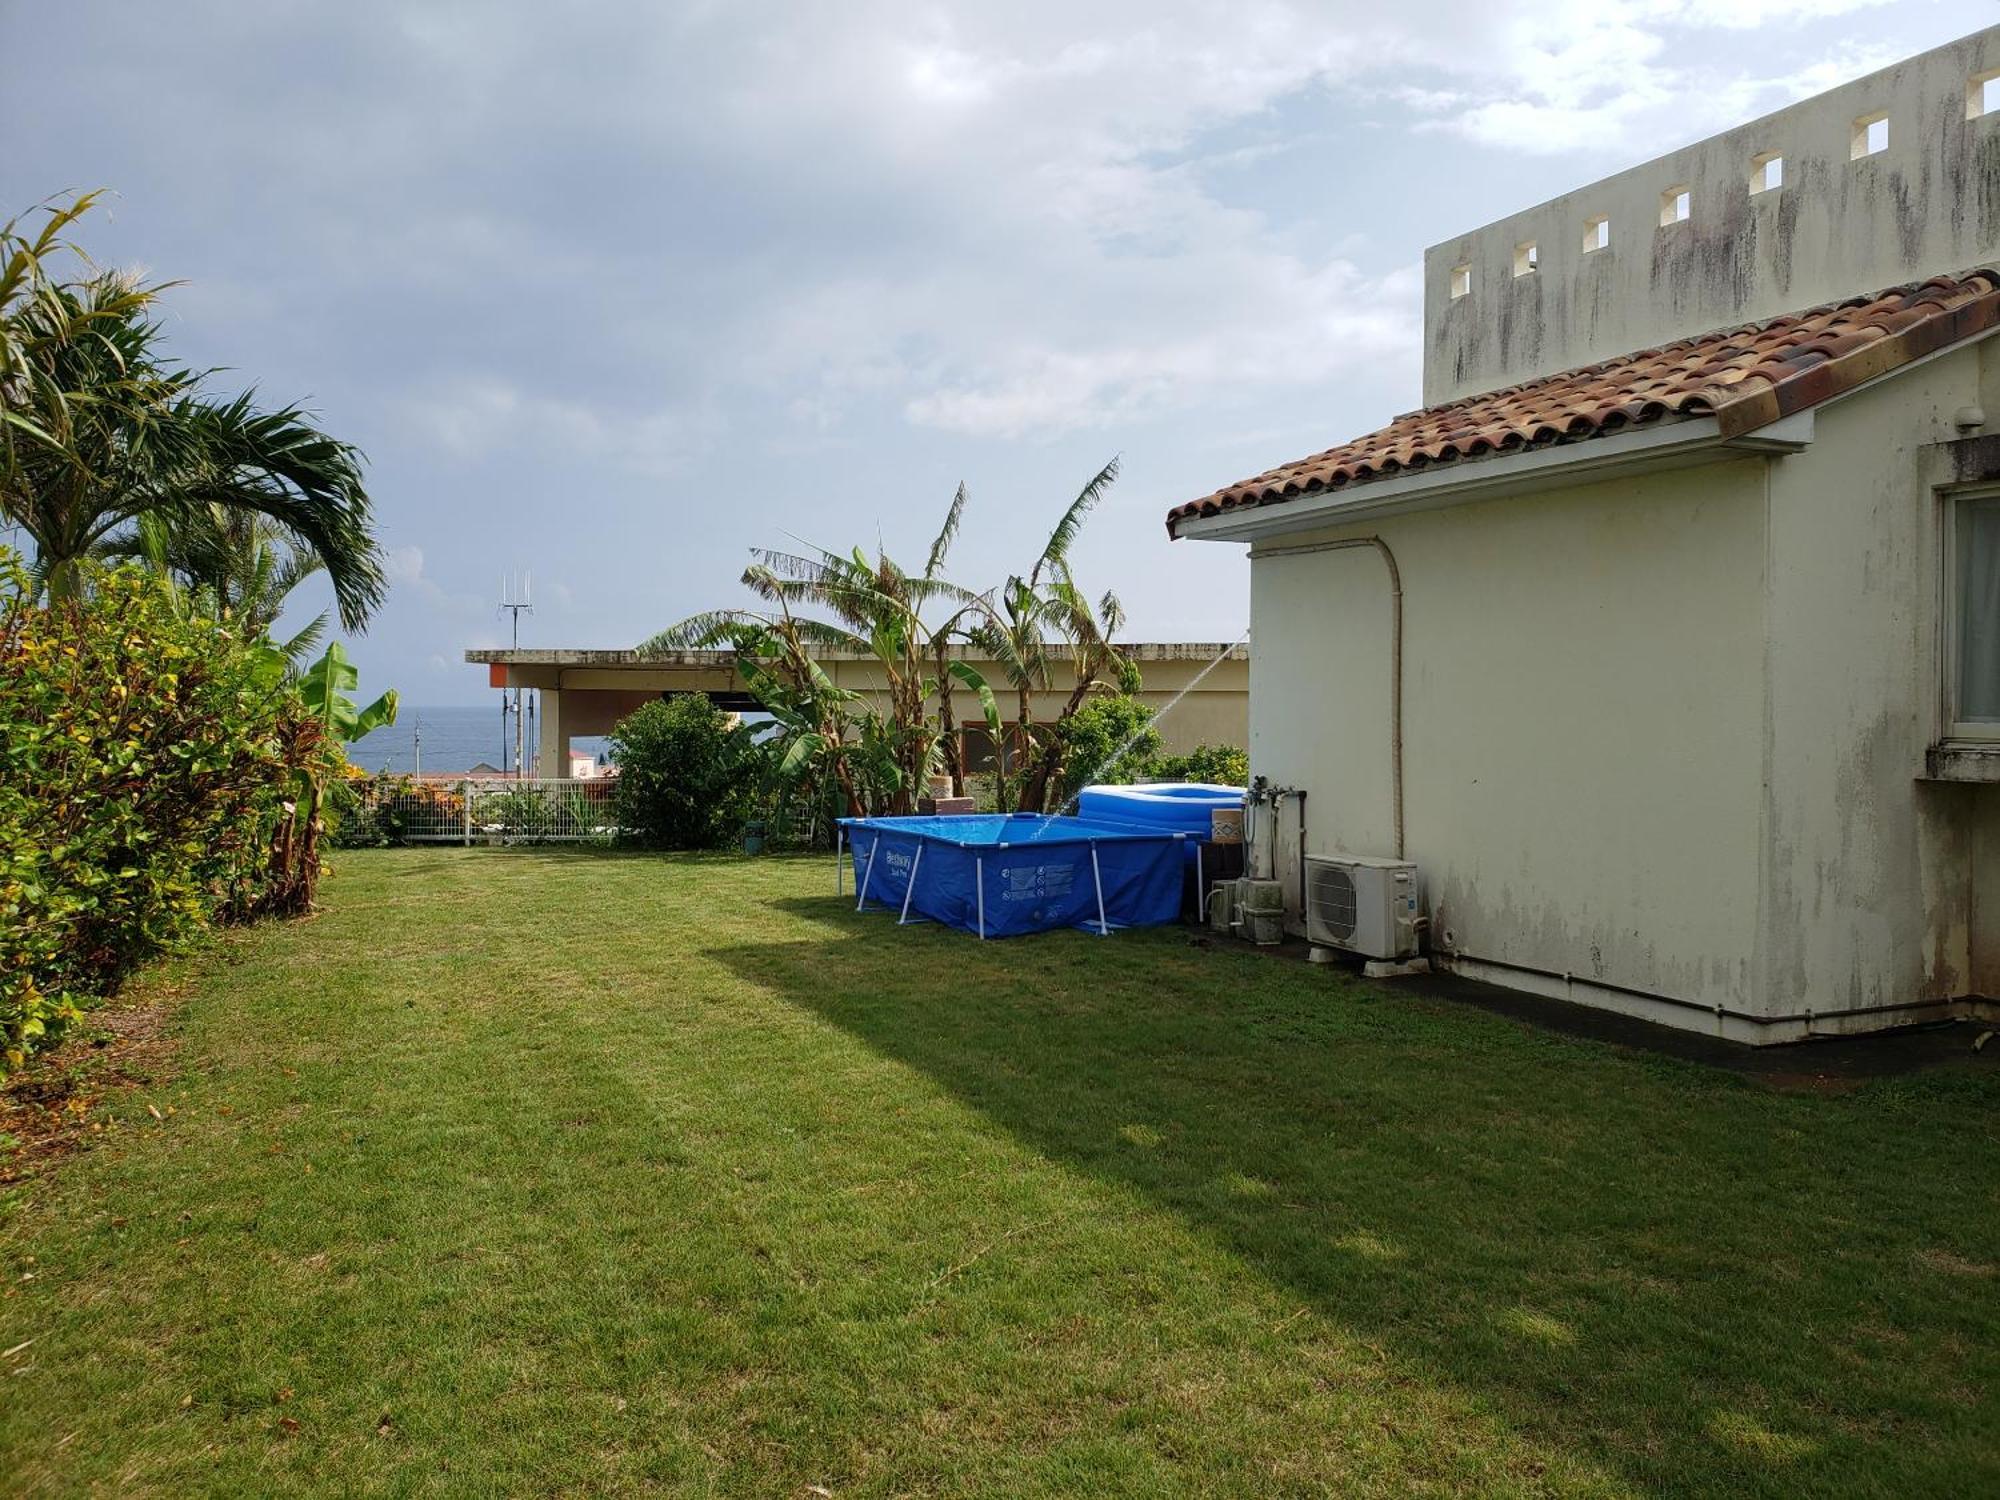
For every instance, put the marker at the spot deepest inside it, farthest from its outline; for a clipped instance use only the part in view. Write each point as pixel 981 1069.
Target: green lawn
pixel 553 1173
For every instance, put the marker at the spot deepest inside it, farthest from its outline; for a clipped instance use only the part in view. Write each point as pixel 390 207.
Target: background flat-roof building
pixel 588 692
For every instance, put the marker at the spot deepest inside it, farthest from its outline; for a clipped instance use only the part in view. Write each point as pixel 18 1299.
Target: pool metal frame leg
pixel 867 874
pixel 911 889
pixel 1097 878
pixel 979 879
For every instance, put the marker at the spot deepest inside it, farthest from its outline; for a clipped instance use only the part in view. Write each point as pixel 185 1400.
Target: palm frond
pixel 304 642
pixel 1055 552
pixel 276 464
pixel 708 630
pixel 947 533
pixel 1110 614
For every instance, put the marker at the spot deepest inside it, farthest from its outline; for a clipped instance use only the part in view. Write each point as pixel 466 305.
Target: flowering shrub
pixel 155 777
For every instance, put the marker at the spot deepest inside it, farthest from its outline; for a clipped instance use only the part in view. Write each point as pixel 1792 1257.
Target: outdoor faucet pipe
pixel 1395 654
pixel 1301 795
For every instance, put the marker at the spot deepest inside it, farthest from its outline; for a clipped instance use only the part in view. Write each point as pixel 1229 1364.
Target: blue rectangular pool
pixel 1000 876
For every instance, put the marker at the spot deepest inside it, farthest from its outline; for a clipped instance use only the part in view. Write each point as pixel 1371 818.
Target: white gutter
pixel 1663 445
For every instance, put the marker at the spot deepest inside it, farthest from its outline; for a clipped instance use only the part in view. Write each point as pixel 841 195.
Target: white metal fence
pixel 497 810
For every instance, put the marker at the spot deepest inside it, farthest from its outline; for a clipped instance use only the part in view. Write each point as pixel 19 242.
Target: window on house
pixel 1461 281
pixel 1982 94
pixel 1527 258
pixel 1596 234
pixel 1767 172
pixel 1674 205
pixel 1871 135
pixel 1973 615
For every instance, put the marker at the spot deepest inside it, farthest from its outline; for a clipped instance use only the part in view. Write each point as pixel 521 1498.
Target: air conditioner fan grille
pixel 1333 901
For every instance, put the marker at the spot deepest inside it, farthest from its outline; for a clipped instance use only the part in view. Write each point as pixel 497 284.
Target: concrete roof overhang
pixel 1201 652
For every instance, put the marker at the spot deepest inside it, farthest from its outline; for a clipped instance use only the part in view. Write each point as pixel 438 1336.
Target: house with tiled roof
pixel 1665 639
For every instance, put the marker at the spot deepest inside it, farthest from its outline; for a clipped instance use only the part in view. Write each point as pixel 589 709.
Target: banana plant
pixel 324 687
pixel 989 706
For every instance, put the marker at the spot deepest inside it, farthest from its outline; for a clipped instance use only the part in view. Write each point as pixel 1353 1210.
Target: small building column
pixel 552 736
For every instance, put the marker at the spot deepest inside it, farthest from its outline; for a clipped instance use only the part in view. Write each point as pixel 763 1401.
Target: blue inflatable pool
pixel 1003 876
pixel 1175 806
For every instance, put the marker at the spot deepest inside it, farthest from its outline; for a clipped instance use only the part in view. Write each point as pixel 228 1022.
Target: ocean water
pixel 454 738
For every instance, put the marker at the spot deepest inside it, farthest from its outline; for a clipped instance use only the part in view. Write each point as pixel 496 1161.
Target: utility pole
pixel 516 606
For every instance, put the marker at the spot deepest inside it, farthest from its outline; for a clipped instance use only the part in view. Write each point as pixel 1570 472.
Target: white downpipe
pixel 1097 878
pixel 1395 666
pixel 868 873
pixel 979 880
pixel 911 889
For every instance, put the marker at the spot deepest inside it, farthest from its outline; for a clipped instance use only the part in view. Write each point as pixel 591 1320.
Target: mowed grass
pixel 524 1173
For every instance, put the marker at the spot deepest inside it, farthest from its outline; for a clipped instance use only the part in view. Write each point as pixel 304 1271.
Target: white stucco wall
pixel 1583 721
pixel 1930 203
pixel 1870 895
pixel 1664 736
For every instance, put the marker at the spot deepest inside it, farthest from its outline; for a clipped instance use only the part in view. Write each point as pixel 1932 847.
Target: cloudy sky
pixel 613 292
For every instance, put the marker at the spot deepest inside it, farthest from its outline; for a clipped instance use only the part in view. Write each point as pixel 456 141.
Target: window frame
pixel 1952 729
pixel 1860 147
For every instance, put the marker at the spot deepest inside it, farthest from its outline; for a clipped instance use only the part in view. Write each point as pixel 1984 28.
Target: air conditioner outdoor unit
pixel 1367 906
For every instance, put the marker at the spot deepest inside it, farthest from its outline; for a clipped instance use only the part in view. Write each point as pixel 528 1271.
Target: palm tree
pixel 238 565
pixel 102 430
pixel 880 611
pixel 1046 605
pixel 27 282
pixel 1014 633
pixel 1097 664
pixel 960 627
pixel 774 658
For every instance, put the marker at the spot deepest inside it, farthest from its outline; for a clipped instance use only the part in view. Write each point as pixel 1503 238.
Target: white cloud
pixel 1297 326
pixel 1621 78
pixel 614 289
pixel 404 568
pixel 404 564
pixel 476 417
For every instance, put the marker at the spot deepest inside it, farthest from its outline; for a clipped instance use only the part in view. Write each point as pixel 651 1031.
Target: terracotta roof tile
pixel 1746 377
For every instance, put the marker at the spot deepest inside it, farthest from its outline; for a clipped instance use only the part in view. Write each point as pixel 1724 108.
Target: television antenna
pixel 515 600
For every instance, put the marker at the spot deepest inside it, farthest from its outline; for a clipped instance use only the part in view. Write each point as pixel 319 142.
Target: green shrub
pixel 687 777
pixel 149 766
pixel 1219 765
pixel 1095 735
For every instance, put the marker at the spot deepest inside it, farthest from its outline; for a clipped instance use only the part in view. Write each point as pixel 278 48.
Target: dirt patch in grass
pixel 47 1109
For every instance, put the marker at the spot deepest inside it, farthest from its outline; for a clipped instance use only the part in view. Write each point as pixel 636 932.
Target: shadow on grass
pixel 1690 1280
